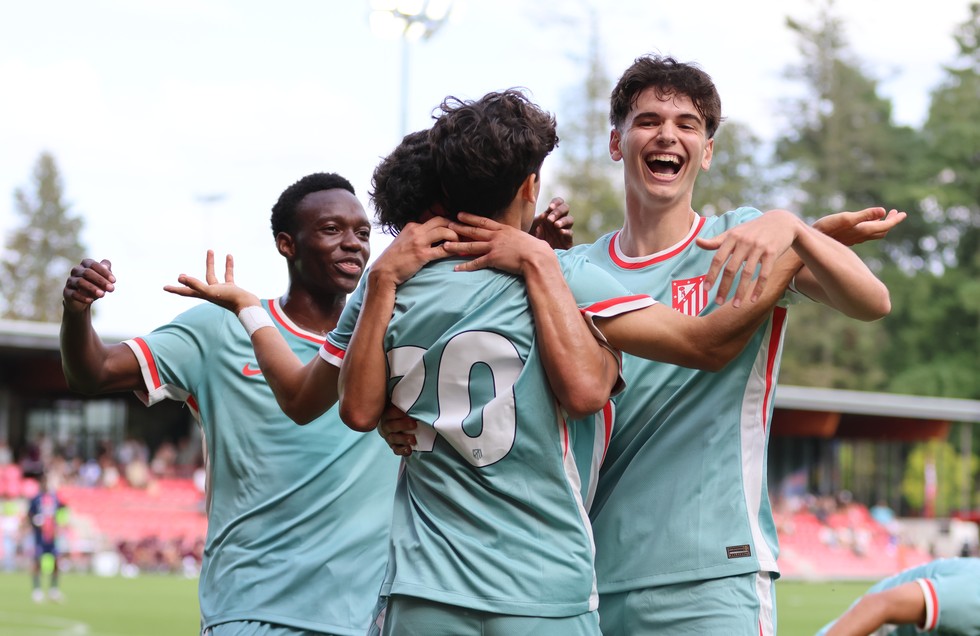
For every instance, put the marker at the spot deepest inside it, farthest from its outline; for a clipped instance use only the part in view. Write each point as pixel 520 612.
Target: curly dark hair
pixel 404 185
pixel 669 77
pixel 483 150
pixel 284 211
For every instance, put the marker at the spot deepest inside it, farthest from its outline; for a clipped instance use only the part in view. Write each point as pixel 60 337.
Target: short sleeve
pixel 335 347
pixel 173 357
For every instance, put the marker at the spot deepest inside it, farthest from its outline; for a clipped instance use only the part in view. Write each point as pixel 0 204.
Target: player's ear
pixel 286 245
pixel 614 150
pixel 529 188
pixel 709 149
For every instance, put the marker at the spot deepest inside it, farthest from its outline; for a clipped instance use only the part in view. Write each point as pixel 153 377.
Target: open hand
pixel 416 245
pixel 853 228
pixel 756 244
pixel 494 244
pixel 226 294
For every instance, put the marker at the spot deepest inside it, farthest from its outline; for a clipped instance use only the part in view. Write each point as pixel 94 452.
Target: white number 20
pixel 454 379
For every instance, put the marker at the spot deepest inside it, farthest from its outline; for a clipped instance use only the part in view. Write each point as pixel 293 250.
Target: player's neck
pixel 650 229
pixel 317 313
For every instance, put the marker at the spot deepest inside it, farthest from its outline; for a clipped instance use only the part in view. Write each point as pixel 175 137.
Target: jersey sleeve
pixel 954 605
pixel 597 293
pixel 335 346
pixel 173 357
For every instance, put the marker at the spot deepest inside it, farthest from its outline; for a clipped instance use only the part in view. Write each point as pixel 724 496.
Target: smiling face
pixel 663 144
pixel 330 246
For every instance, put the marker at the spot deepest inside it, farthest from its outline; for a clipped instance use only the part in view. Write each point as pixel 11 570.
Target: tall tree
pixel 842 149
pixel 935 323
pixel 841 152
pixel 946 232
pixel 40 253
pixel 588 179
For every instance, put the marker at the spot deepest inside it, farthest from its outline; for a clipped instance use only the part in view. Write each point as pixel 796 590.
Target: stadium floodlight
pixel 412 21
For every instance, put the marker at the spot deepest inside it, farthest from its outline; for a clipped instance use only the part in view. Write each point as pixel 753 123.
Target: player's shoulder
pixel 205 318
pixel 717 224
pixel 595 252
pixel 574 262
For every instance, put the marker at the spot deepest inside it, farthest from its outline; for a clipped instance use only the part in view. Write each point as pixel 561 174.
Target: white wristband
pixel 254 318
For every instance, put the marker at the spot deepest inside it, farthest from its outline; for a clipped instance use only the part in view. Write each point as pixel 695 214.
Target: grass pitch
pixel 151 605
pixel 159 605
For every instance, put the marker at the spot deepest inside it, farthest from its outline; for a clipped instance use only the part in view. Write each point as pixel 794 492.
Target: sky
pixel 176 124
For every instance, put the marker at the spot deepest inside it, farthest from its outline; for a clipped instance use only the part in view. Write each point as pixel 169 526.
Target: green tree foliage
pixel 736 176
pixel 587 178
pixel 946 231
pixel 935 322
pixel 843 151
pixel 950 478
pixel 40 253
pixel 825 348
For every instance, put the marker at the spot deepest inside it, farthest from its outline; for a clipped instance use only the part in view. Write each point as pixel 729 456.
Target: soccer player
pixel 489 534
pixel 45 516
pixel 681 510
pixel 942 597
pixel 297 516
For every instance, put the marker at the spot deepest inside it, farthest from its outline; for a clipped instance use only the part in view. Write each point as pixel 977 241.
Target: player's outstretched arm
pixel 90 366
pixel 901 605
pixel 832 273
pixel 364 372
pixel 303 391
pixel 562 335
pixel 704 342
pixel 837 277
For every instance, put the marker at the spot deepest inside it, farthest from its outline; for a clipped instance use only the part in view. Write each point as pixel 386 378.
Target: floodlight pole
pixel 415 20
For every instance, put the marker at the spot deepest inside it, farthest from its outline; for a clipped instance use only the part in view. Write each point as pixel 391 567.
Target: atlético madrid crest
pixel 689 296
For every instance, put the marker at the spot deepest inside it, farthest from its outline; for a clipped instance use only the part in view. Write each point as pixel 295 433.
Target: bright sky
pixel 177 123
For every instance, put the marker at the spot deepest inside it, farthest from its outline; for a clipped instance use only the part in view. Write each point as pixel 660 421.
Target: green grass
pixel 149 605
pixel 802 608
pixel 153 605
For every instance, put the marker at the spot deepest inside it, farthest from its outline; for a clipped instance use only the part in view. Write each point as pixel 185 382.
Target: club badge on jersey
pixel 689 296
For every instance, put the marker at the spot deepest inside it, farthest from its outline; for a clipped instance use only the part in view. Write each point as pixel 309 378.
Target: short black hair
pixel 669 77
pixel 483 150
pixel 284 211
pixel 404 185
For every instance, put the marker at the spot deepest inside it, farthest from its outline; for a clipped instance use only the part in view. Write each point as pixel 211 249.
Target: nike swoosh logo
pixel 246 370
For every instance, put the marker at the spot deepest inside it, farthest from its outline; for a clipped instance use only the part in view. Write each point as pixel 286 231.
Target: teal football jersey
pixel 682 491
pixel 489 513
pixel 951 589
pixel 298 516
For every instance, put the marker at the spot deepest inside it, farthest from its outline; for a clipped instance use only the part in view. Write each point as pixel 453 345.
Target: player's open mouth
pixel 664 164
pixel 349 266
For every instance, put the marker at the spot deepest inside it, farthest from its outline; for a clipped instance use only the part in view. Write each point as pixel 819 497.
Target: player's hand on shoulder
pixel 224 294
pixel 397 429
pixel 87 282
pixel 853 228
pixel 495 245
pixel 554 225
pixel 755 244
pixel 416 245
